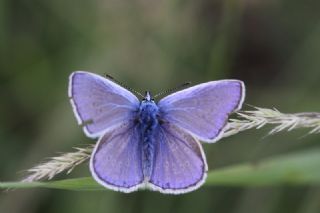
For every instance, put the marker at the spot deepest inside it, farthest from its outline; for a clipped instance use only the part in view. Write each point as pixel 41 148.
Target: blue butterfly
pixel 145 144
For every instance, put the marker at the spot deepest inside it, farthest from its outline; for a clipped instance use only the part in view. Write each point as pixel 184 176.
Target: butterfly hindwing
pixel 203 109
pixel 98 103
pixel 116 161
pixel 179 165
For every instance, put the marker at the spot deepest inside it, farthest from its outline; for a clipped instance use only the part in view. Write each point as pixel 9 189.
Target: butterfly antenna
pixel 173 89
pixel 123 85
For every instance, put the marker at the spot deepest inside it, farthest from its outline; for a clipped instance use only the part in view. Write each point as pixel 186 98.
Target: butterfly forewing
pixel 203 109
pixel 179 164
pixel 116 161
pixel 98 103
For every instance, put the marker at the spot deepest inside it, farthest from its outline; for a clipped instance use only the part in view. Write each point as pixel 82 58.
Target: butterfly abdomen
pixel 148 124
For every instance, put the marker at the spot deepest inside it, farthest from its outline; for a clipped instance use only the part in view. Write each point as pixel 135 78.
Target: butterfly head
pixel 148 97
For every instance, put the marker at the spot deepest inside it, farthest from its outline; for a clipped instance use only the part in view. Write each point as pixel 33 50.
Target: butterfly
pixel 149 144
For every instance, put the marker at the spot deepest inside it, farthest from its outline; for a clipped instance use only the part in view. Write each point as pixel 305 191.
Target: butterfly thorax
pixel 148 123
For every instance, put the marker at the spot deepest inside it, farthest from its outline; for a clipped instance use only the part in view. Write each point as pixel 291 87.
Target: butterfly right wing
pixel 116 161
pixel 98 103
pixel 179 163
pixel 203 110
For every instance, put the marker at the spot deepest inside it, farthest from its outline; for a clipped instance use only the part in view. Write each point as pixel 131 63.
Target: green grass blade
pixel 299 168
pixel 295 169
pixel 85 183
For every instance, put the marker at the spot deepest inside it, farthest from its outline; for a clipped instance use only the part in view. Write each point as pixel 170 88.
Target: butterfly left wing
pixel 203 109
pixel 98 103
pixel 116 161
pixel 179 164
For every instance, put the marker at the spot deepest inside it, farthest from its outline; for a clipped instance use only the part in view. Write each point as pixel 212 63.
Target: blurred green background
pixel 274 46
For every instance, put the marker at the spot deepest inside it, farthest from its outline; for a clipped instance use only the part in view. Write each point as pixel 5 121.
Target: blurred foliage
pixel 272 45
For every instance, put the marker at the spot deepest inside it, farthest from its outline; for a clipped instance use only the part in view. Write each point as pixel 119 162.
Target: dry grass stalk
pixel 55 165
pixel 262 116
